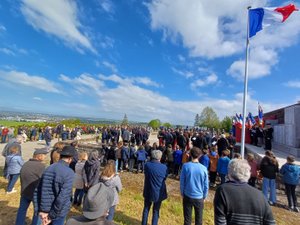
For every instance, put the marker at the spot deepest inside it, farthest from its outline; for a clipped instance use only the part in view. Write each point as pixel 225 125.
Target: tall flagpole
pixel 245 89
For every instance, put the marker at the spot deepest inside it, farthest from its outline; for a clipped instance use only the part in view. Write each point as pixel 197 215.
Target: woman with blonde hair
pixel 112 180
pixel 78 180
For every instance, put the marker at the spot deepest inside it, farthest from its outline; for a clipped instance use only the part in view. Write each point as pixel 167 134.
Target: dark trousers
pixel 78 195
pixel 139 164
pixel 268 144
pixel 188 205
pixel 291 195
pixel 252 181
pixel 176 169
pixel 223 178
pixel 155 213
pixel 212 177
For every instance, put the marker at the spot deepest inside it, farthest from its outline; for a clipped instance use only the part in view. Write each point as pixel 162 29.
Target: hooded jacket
pixel 91 170
pixel 290 173
pixel 114 183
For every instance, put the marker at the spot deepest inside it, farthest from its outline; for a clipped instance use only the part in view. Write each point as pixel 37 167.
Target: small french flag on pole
pixel 260 18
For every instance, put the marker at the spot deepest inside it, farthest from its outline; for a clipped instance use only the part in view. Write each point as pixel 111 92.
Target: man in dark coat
pixel 155 190
pixel 30 175
pixel 53 196
pixel 222 144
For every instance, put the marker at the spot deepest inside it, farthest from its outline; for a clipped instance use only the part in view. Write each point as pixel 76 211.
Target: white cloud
pixel 293 84
pixel 107 6
pixel 32 81
pixel 186 74
pixel 37 98
pixel 110 66
pixel 58 18
pixel 210 79
pixel 143 105
pixel 146 81
pixel 13 50
pixel 213 28
pixel 77 106
pixel 2 28
pixel 7 51
pixel 85 83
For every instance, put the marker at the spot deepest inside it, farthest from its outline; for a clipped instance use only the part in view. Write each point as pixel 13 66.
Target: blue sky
pixel 165 59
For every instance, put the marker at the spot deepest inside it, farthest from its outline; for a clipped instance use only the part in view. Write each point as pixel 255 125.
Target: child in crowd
pixel 14 164
pixel 213 161
pixel 170 158
pixel 254 168
pixel 204 159
pixel 291 178
pixel 222 167
pixel 78 180
pixel 112 180
pixel 124 156
pixel 237 156
pixel 132 157
pixel 141 156
pixel 91 170
pixel 177 155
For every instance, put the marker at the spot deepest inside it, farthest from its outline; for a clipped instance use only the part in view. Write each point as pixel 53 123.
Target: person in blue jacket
pixel 193 187
pixel 155 190
pixel 14 164
pixel 291 177
pixel 124 156
pixel 204 159
pixel 177 155
pixel 54 192
pixel 141 156
pixel 222 168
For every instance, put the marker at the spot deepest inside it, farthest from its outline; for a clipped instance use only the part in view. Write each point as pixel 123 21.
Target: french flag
pixel 263 17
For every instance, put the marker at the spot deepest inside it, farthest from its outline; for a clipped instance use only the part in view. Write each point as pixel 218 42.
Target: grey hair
pixel 156 154
pixel 239 170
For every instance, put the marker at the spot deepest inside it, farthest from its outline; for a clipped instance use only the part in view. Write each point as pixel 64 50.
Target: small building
pixel 286 124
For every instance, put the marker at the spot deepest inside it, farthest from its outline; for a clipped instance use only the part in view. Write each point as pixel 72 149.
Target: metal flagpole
pixel 245 90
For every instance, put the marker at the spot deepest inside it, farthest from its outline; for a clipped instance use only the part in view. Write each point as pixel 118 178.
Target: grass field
pixel 130 209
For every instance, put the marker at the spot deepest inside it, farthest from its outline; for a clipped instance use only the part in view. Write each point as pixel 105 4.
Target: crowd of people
pixel 199 159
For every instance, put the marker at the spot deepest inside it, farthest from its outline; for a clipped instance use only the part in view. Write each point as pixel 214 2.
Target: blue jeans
pixel 58 221
pixel 111 213
pixel 269 184
pixel 78 195
pixel 155 213
pixel 4 138
pixel 12 179
pixel 22 211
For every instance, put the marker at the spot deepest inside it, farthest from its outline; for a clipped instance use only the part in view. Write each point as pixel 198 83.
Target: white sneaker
pixel 10 192
pixel 296 209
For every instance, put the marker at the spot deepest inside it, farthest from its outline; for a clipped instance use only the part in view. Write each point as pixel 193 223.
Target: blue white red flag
pixel 238 121
pixel 260 114
pixel 251 118
pixel 260 18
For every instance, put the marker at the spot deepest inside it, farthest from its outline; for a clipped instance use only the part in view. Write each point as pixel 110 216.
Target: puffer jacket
pixel 14 164
pixel 114 183
pixel 290 174
pixel 54 191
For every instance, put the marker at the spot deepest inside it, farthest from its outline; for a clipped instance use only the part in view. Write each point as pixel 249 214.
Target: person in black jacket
pixel 91 170
pixel 268 169
pixel 238 203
